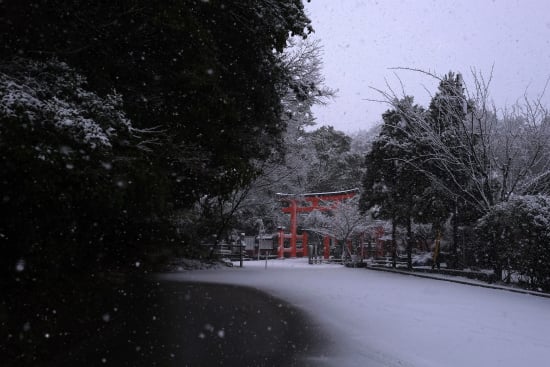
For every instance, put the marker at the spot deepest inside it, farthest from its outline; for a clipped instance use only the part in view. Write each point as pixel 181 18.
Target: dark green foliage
pixel 204 73
pixel 515 237
pixel 199 80
pixel 64 176
pixel 391 180
pixel 469 160
pixel 393 184
pixel 448 108
pixel 334 166
pixel 447 120
pixel 428 150
pixel 114 114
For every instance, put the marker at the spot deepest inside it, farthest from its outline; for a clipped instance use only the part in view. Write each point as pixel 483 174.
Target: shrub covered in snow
pixel 64 165
pixel 49 99
pixel 516 237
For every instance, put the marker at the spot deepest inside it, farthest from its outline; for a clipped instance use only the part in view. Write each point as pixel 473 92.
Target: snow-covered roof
pixel 314 194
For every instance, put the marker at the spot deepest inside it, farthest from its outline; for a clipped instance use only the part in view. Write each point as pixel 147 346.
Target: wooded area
pixel 470 169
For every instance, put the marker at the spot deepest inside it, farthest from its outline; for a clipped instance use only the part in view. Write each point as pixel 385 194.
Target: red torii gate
pixel 306 203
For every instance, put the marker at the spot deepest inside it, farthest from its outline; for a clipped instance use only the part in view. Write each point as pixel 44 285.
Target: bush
pixel 516 237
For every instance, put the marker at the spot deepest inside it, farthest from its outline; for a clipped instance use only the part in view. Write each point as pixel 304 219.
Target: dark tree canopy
pixel 114 115
pixel 392 183
pixel 334 166
pixel 204 74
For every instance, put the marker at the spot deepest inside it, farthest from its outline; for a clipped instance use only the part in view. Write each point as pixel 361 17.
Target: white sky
pixel 381 319
pixel 363 38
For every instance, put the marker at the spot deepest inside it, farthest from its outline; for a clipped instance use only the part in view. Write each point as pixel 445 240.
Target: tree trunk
pixel 394 245
pixel 409 243
pixel 454 251
pixel 497 262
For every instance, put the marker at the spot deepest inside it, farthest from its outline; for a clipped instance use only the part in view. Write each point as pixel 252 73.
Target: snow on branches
pixel 472 150
pixel 50 96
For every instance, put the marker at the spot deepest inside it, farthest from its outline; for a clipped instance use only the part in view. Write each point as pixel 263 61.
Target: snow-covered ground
pixel 385 319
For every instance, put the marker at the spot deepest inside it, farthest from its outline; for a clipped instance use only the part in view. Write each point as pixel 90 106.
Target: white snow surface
pixel 386 319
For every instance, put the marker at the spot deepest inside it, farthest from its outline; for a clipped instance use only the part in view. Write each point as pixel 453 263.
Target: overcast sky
pixel 362 39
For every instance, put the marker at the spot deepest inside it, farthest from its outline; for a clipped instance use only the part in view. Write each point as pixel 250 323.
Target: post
pixel 281 242
pixel 305 241
pixel 241 248
pixel 293 227
pixel 326 245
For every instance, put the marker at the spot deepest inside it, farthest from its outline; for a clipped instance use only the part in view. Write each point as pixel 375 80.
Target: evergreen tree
pixel 447 119
pixel 203 81
pixel 205 74
pixel 392 185
pixel 65 168
pixel 473 158
pixel 334 166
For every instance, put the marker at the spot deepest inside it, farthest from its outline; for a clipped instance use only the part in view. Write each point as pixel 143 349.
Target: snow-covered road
pixel 385 319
